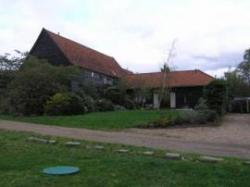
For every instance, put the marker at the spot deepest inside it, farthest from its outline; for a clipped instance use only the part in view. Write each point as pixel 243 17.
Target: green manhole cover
pixel 61 170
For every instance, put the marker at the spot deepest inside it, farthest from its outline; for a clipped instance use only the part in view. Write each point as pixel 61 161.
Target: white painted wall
pixel 172 100
pixel 156 101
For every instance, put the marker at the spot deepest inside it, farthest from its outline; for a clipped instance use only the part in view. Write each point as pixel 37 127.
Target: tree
pixel 164 92
pixel 35 83
pixel 165 68
pixel 216 96
pixel 244 67
pixel 10 62
pixel 237 86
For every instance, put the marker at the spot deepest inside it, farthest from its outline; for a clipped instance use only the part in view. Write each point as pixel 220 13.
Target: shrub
pixel 64 104
pixel 186 116
pixel 89 104
pixel 119 107
pixel 5 105
pixel 163 121
pixel 35 83
pixel 217 96
pixel 117 95
pixel 88 101
pixel 114 94
pixel 207 116
pixel 129 104
pixel 104 105
pixel 89 89
pixel 202 104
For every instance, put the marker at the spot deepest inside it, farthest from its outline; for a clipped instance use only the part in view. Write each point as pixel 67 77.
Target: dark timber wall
pixel 188 96
pixel 45 48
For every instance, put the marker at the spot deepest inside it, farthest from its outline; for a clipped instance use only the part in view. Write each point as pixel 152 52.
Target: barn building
pixel 185 87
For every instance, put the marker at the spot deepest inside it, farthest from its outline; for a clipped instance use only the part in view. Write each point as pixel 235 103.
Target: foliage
pixel 201 105
pixel 216 96
pixel 9 62
pixel 141 95
pixel 119 108
pixel 244 67
pixel 115 94
pixel 88 101
pixel 35 82
pixel 129 103
pixel 64 104
pixel 89 89
pixel 104 105
pixel 165 68
pixel 119 96
pixel 5 78
pixel 183 117
pixel 165 100
pixel 237 86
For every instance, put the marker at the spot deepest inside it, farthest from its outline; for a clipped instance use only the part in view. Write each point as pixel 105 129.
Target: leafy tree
pixel 244 67
pixel 237 86
pixel 216 95
pixel 35 82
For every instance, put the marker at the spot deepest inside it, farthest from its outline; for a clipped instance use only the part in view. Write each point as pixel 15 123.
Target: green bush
pixel 186 116
pixel 88 101
pixel 119 107
pixel 64 104
pixel 115 95
pixel 5 105
pixel 201 105
pixel 216 96
pixel 104 105
pixel 118 96
pixel 35 83
pixel 129 104
pixel 89 104
pixel 89 89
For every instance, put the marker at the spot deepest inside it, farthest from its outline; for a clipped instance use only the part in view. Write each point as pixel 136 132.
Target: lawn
pixel 98 120
pixel 21 163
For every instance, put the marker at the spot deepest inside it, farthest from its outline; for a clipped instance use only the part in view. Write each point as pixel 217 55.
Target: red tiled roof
pixel 87 58
pixel 190 78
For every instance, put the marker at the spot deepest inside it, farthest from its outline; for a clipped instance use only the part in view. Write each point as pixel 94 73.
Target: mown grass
pixel 21 163
pixel 99 120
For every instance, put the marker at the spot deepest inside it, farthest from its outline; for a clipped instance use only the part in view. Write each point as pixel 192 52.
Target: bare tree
pixel 10 62
pixel 166 69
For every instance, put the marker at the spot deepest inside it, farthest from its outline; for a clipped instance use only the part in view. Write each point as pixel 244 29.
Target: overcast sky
pixel 210 34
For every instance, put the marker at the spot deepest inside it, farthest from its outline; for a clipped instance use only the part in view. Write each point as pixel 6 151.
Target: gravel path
pixel 232 138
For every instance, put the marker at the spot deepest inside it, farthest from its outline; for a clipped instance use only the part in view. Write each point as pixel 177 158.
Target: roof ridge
pixel 176 71
pixel 50 32
pixel 206 74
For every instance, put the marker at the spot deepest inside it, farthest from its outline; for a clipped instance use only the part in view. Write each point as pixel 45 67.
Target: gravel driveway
pixel 234 129
pixel 231 138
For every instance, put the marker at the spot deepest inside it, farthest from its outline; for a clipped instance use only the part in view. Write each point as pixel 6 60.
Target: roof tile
pixel 190 78
pixel 88 58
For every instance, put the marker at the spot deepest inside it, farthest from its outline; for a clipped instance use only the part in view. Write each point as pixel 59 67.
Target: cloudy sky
pixel 209 34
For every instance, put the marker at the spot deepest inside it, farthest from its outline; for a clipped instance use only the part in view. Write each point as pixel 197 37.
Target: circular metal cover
pixel 61 170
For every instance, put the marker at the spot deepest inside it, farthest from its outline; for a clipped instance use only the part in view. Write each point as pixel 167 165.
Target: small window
pixel 105 80
pixel 92 74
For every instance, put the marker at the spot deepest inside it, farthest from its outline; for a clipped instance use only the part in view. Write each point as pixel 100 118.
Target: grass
pixel 21 163
pixel 98 120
